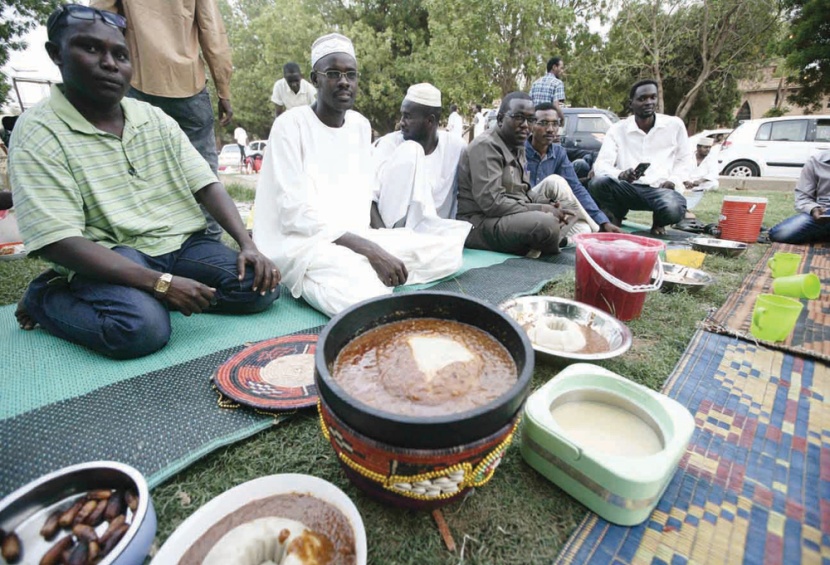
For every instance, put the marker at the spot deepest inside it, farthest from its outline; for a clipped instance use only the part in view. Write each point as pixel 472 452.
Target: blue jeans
pixel 195 116
pixel 124 322
pixel 801 228
pixel 616 197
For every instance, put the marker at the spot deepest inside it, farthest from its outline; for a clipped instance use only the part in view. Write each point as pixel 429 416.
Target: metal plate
pixel 527 310
pixel 718 246
pixel 676 277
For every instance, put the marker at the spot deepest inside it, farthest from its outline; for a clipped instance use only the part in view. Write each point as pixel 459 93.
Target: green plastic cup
pixel 798 286
pixel 784 264
pixel 774 317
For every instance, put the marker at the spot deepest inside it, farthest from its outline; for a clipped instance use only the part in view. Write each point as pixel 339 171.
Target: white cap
pixel 424 93
pixel 706 141
pixel 331 43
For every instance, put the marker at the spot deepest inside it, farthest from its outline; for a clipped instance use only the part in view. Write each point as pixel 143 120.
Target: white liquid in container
pixel 603 427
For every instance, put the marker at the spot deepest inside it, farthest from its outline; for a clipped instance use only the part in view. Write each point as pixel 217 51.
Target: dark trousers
pixel 124 322
pixel 516 233
pixel 616 197
pixel 195 116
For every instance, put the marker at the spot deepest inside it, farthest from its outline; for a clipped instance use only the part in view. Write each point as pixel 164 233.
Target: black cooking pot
pixel 422 432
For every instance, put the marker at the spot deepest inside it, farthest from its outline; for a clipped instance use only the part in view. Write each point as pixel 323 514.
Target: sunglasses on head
pixel 87 13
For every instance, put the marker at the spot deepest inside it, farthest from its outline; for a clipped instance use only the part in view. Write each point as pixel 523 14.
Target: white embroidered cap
pixel 331 43
pixel 706 141
pixel 424 93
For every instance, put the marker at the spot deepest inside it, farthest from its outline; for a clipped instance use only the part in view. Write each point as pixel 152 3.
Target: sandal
pixel 692 225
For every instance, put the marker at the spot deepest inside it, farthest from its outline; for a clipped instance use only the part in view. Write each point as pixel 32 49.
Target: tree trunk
pixel 690 97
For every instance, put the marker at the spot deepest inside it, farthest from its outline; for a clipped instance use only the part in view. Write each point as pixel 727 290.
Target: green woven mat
pixel 157 413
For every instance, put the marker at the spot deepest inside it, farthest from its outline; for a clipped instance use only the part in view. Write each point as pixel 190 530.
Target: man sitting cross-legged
pixel 494 191
pixel 416 165
pixel 644 137
pixel 108 190
pixel 812 201
pixel 550 169
pixel 314 199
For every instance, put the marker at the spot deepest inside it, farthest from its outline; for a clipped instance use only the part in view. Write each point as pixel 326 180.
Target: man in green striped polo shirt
pixel 108 189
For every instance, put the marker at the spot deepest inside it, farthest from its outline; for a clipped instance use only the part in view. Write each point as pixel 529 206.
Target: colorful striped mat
pixel 754 485
pixel 811 335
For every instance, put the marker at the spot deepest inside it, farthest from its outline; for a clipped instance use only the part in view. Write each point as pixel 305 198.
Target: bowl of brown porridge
pixel 420 393
pixel 567 330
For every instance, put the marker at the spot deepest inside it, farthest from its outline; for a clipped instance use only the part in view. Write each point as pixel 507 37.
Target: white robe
pixel 414 185
pixel 315 185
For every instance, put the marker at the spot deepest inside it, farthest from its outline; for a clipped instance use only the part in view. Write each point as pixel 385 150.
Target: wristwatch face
pixel 163 283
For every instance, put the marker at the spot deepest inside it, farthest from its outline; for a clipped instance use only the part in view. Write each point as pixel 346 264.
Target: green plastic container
pixel 622 489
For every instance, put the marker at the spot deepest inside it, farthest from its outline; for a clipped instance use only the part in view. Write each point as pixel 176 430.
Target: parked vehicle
pixel 584 130
pixel 256 147
pixel 774 147
pixel 711 133
pixel 229 158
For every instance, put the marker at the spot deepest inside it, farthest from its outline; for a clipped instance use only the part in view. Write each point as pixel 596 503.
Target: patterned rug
pixel 811 335
pixel 62 404
pixel 754 485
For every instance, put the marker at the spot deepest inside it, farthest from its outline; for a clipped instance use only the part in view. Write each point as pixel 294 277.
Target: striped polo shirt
pixel 70 179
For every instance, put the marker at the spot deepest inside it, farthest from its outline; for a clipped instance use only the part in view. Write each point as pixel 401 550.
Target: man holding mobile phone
pixel 643 162
pixel 812 200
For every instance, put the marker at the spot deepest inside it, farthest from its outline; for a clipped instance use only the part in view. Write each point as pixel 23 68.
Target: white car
pixel 774 147
pixel 229 158
pixel 256 148
pixel 711 133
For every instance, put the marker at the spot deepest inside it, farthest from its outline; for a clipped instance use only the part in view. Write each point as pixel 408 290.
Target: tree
pixel 648 32
pixel 483 50
pixel 807 50
pixel 17 17
pixel 731 34
pixel 264 35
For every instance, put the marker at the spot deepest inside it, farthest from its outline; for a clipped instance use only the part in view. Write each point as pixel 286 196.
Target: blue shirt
pixel 556 162
pixel 547 89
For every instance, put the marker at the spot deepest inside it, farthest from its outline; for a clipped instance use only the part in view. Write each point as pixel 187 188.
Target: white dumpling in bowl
pixel 558 333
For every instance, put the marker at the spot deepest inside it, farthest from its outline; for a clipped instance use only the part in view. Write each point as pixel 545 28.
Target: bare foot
pixel 658 230
pixel 23 318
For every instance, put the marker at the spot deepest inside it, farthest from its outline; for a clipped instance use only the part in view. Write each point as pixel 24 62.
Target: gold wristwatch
pixel 162 285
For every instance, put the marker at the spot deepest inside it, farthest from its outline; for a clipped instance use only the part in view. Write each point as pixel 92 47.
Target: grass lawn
pixel 519 517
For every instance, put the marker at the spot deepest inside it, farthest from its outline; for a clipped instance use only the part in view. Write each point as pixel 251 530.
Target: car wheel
pixel 742 169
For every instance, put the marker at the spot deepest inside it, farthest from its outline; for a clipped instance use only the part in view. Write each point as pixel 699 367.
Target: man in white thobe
pixel 705 175
pixel 314 198
pixel 416 165
pixel 455 123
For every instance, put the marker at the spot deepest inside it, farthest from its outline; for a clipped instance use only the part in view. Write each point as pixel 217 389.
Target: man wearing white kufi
pixel 705 175
pixel 314 199
pixel 416 165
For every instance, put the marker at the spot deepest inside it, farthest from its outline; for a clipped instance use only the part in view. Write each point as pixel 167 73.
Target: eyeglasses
pixel 87 13
pixel 548 123
pixel 521 118
pixel 337 75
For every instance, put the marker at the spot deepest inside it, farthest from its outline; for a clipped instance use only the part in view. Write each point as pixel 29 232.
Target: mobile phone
pixel 640 169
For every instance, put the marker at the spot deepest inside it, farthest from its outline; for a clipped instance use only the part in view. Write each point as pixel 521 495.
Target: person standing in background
pixel 478 122
pixel 550 87
pixel 292 89
pixel 455 124
pixel 165 40
pixel 241 137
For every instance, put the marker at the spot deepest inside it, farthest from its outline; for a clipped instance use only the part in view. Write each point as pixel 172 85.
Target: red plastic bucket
pixel 741 218
pixel 613 271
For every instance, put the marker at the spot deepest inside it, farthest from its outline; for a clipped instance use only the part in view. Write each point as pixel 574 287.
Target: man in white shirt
pixel 478 121
pixel 241 137
pixel 645 137
pixel 314 199
pixel 705 175
pixel 292 89
pixel 416 165
pixel 455 125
